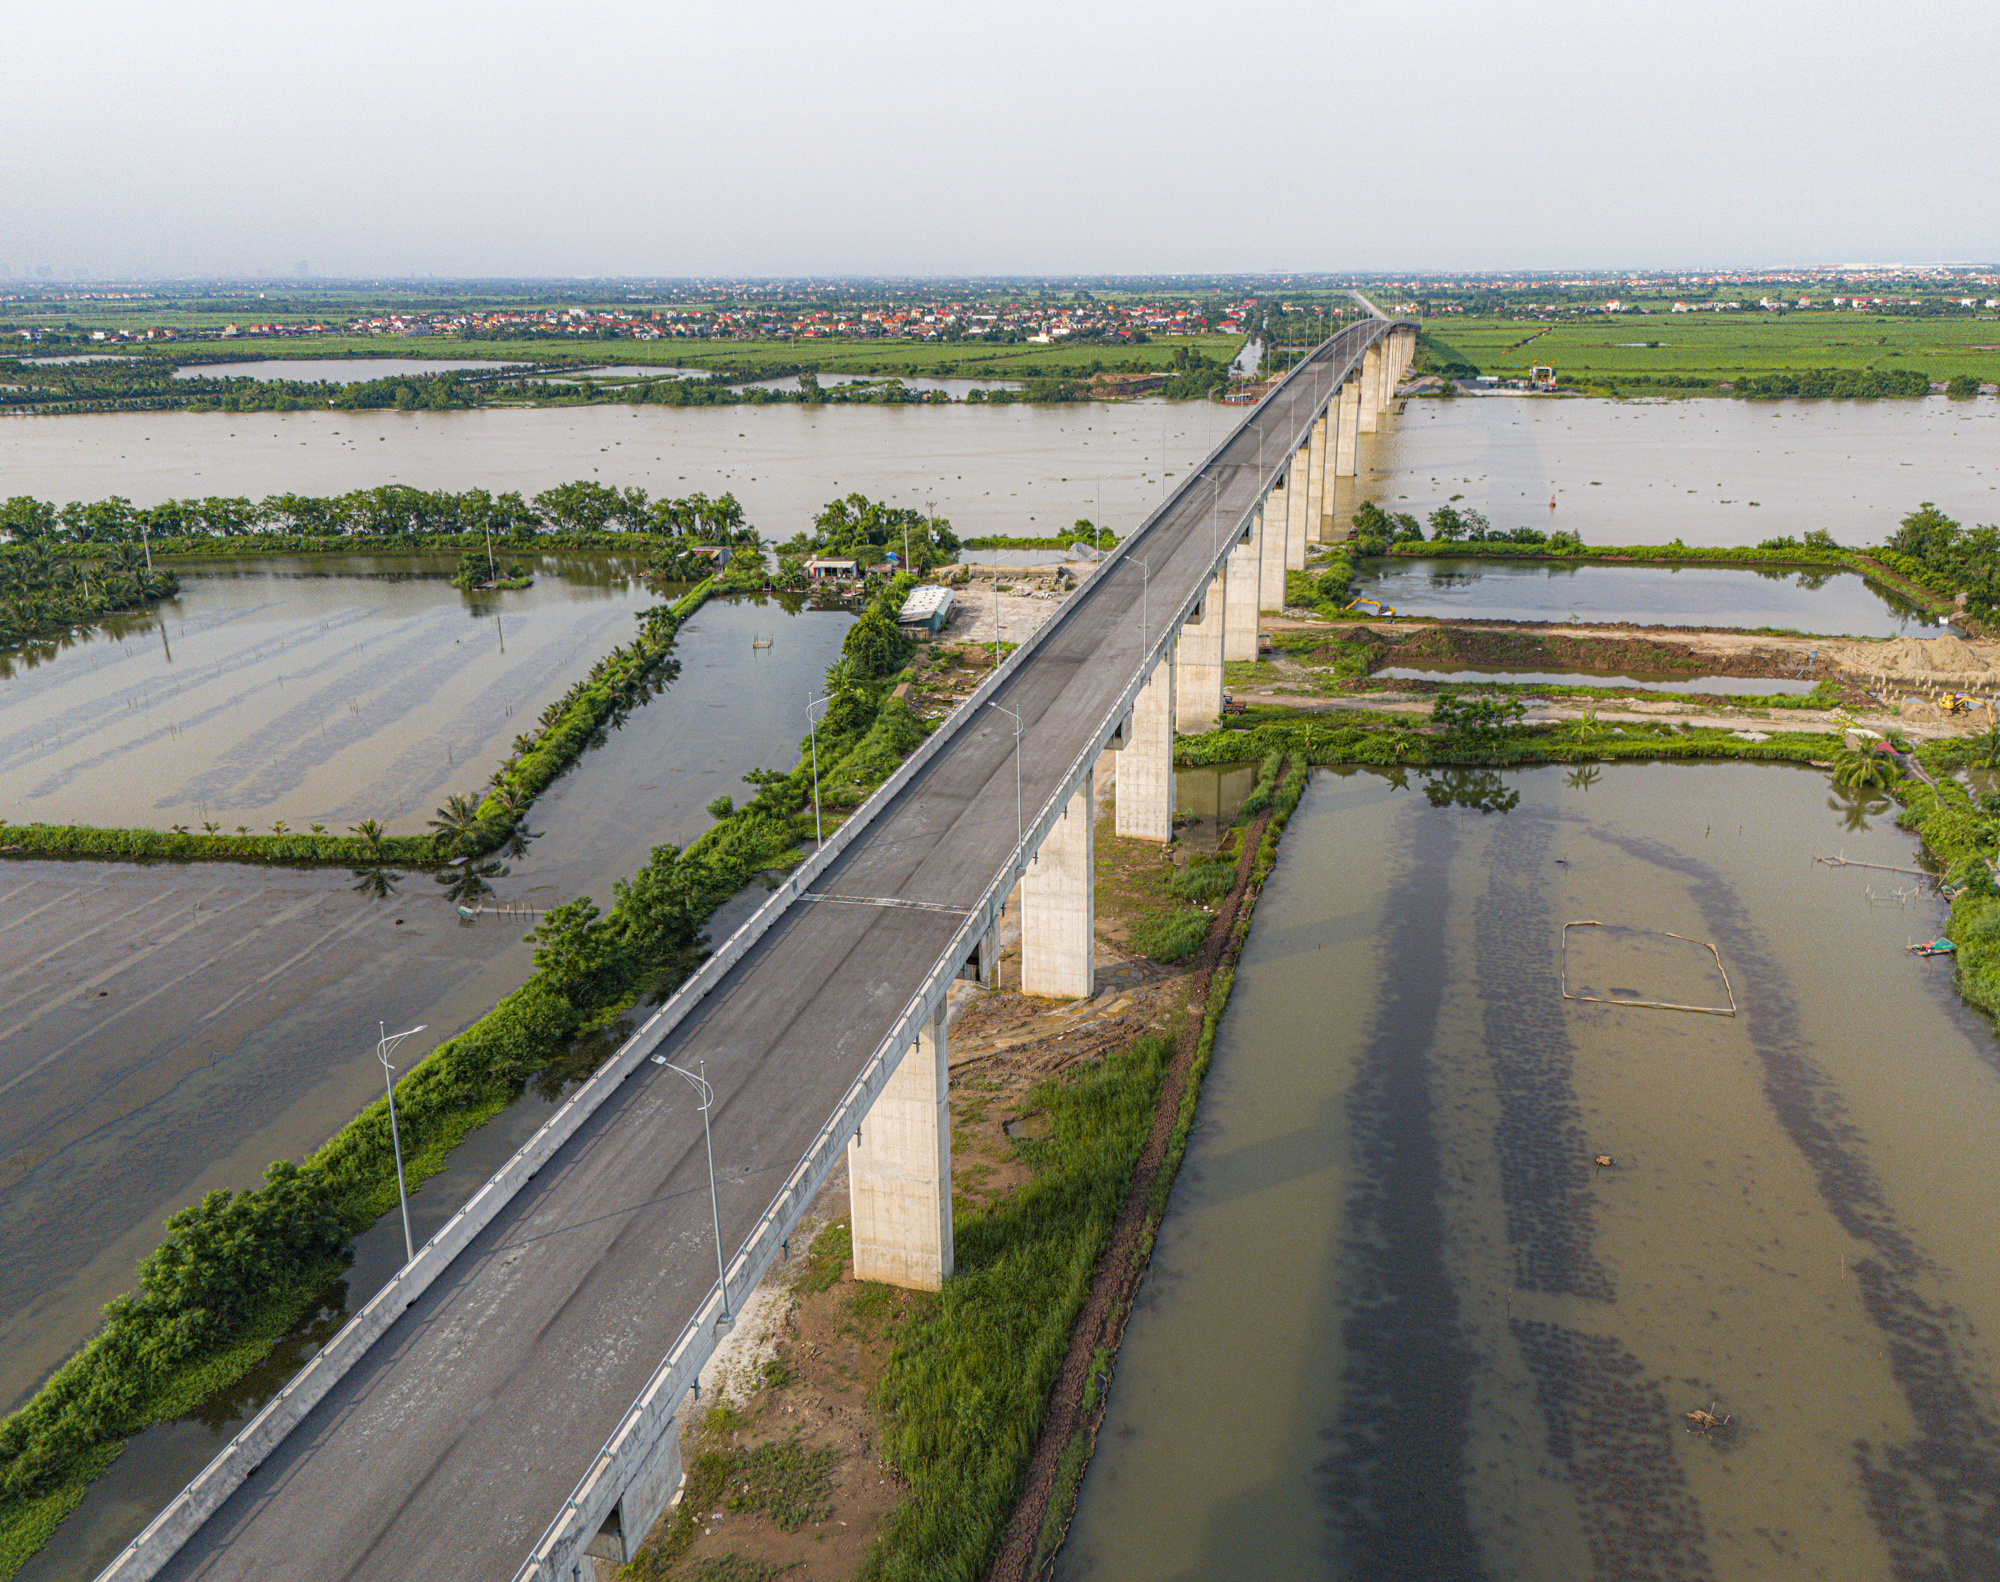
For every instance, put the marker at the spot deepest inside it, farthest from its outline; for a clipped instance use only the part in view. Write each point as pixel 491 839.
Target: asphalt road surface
pixel 449 1449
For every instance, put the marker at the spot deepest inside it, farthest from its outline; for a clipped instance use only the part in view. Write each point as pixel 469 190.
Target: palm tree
pixel 455 822
pixel 1585 727
pixel 1865 768
pixel 371 831
pixel 210 827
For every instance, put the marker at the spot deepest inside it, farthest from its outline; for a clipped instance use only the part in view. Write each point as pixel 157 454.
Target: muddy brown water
pixel 302 689
pixel 1840 603
pixel 1710 472
pixel 1015 468
pixel 1399 1325
pixel 167 1029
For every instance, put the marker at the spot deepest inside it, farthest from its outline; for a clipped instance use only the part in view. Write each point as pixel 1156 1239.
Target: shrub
pixel 1171 936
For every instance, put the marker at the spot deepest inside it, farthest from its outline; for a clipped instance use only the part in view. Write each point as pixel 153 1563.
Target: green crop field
pixel 1604 348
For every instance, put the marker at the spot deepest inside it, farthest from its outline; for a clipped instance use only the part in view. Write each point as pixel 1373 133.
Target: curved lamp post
pixel 700 1083
pixel 384 1045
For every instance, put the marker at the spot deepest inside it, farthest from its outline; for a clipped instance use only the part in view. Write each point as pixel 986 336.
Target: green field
pixel 1597 350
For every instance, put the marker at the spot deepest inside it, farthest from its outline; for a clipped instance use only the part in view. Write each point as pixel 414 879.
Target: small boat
pixel 1933 947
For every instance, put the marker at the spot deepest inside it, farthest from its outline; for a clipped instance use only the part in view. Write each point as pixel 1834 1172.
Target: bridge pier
pixel 1350 427
pixel 899 1168
pixel 1271 552
pixel 1145 792
pixel 1243 574
pixel 1316 479
pixel 1371 388
pixel 1198 656
pixel 1058 900
pixel 1296 486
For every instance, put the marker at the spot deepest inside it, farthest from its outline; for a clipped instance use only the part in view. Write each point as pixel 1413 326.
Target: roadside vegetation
pixel 237 1270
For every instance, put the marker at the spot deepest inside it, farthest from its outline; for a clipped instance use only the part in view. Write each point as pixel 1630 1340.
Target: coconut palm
pixel 371 831
pixel 456 822
pixel 1871 768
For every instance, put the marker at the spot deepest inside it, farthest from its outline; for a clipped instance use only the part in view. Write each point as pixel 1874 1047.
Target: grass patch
pixel 1171 936
pixel 963 1399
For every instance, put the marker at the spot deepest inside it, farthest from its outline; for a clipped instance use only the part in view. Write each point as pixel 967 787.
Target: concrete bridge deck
pixel 447 1450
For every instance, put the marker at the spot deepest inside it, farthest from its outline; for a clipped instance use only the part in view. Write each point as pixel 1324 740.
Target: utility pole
pixel 1020 827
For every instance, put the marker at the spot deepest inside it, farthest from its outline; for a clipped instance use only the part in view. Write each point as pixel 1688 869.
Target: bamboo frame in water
pixel 1649 1005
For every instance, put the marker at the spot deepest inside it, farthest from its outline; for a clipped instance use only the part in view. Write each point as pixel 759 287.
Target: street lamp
pixel 812 729
pixel 383 1045
pixel 701 1085
pixel 1019 827
pixel 1145 587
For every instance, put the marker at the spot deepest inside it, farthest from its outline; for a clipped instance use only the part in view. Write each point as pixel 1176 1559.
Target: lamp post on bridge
pixel 1020 827
pixel 702 1086
pixel 384 1045
pixel 812 730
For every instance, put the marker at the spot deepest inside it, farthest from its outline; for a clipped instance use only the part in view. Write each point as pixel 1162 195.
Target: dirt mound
pixel 1950 652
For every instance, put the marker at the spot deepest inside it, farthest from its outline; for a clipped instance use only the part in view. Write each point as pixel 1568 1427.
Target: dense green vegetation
pixel 1933 550
pixel 237 1268
pixel 42 595
pixel 1837 384
pixel 570 514
pixel 871 532
pixel 150 384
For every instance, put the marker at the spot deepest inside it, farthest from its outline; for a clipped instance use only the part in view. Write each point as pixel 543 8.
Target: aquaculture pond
pixel 307 689
pixel 1833 603
pixel 1730 686
pixel 1400 1324
pixel 170 1028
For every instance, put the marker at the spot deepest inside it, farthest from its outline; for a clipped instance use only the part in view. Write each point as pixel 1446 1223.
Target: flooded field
pixel 1706 472
pixel 308 689
pixel 1728 686
pixel 1839 603
pixel 169 1029
pixel 1400 1325
pixel 990 469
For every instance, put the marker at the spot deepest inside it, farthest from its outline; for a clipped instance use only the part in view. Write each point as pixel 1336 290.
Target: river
pixel 1013 468
pixel 1708 472
pixel 1399 1325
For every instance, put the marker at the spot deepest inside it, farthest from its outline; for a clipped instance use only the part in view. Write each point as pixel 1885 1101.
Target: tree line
pixel 1932 549
pixel 388 511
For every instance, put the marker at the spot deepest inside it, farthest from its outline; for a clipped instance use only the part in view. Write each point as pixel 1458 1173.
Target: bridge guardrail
pixel 168 1532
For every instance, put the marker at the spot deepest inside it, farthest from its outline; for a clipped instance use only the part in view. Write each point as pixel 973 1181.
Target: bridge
pixel 509 1405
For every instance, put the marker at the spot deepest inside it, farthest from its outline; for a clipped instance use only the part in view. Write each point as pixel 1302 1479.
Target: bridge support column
pixel 899 1170
pixel 1243 573
pixel 1316 490
pixel 1371 388
pixel 1059 902
pixel 1350 427
pixel 1271 529
pixel 1145 799
pixel 1198 663
pixel 1296 489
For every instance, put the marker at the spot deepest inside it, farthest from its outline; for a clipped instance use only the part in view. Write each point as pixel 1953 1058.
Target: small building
pixel 824 568
pixel 926 607
pixel 717 555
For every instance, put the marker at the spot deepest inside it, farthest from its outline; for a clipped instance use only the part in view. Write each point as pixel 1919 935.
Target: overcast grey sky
pixel 632 137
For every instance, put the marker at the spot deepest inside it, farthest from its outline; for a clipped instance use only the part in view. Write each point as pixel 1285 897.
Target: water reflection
pixel 1834 602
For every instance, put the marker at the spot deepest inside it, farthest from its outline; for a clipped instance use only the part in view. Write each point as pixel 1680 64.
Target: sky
pixel 771 137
